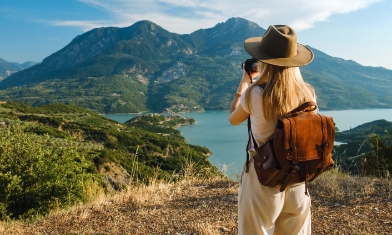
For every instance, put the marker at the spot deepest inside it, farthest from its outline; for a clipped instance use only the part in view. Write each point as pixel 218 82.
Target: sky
pixel 358 30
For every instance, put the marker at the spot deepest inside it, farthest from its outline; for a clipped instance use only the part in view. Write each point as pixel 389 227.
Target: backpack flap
pixel 307 137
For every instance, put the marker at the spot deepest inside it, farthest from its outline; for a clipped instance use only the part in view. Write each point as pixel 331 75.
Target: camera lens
pixel 251 65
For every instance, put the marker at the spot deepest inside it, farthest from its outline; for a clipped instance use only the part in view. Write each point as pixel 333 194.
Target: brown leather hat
pixel 279 46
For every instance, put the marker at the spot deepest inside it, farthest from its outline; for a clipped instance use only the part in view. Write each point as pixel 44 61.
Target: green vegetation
pixel 36 176
pixel 368 149
pixel 159 124
pixel 58 155
pixel 111 94
pixel 378 162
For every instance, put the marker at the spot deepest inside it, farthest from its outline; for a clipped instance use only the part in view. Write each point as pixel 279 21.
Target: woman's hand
pixel 248 77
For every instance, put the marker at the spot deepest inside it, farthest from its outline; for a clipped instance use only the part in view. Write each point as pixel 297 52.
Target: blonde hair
pixel 284 90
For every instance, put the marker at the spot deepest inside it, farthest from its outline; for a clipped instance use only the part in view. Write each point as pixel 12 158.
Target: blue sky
pixel 359 30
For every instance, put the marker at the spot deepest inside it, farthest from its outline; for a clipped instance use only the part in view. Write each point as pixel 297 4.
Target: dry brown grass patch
pixel 345 204
pixel 341 204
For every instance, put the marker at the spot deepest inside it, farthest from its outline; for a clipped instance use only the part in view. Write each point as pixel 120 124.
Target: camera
pixel 251 65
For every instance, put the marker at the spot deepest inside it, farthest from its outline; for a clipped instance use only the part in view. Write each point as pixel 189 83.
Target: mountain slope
pixel 145 67
pixel 345 83
pixel 102 51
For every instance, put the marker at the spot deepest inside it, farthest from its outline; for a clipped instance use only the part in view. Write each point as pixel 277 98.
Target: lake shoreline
pixel 208 110
pixel 227 143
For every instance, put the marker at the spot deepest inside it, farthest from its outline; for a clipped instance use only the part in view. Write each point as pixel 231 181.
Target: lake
pixel 228 143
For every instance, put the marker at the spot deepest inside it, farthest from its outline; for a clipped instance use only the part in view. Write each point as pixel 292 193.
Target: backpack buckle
pixel 293 170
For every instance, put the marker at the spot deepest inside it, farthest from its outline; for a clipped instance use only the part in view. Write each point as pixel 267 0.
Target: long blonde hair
pixel 285 90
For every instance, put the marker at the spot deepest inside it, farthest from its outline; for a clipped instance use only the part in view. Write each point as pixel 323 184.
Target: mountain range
pixel 145 67
pixel 12 67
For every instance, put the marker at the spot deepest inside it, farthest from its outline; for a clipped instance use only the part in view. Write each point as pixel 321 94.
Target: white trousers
pixel 267 211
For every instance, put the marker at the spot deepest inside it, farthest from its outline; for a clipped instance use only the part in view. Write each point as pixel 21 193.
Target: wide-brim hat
pixel 279 46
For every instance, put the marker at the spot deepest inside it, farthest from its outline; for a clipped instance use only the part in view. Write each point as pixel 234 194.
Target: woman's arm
pixel 238 116
pixel 237 113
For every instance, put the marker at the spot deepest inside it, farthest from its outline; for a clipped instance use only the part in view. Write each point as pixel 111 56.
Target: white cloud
pixel 189 15
pixel 84 25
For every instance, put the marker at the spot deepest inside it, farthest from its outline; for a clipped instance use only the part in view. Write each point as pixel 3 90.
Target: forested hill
pixel 145 67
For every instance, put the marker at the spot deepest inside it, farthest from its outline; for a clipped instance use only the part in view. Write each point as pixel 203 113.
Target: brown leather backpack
pixel 299 150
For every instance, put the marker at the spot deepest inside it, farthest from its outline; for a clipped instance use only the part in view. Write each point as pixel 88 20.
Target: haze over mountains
pixel 8 68
pixel 145 67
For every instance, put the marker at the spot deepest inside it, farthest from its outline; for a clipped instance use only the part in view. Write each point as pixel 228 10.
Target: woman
pixel 279 89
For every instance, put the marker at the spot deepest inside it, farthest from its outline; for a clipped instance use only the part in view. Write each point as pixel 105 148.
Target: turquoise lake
pixel 228 143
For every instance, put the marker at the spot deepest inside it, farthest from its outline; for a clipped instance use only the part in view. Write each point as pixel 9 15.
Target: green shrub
pixel 42 130
pixel 35 178
pixel 378 162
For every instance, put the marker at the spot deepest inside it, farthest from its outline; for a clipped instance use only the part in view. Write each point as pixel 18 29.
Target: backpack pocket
pixel 265 164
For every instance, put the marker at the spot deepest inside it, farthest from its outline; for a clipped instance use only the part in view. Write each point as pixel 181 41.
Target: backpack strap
pixel 251 138
pixel 294 169
pixel 303 107
pixel 262 85
pixel 247 148
pixel 324 147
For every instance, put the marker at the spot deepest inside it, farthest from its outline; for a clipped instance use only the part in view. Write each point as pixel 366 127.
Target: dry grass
pixel 341 204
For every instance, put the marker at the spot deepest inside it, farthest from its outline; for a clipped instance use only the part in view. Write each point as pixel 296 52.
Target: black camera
pixel 251 65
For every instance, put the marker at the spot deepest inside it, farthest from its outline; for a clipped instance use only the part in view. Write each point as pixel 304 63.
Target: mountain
pixel 345 84
pixel 28 64
pixel 6 68
pixel 145 67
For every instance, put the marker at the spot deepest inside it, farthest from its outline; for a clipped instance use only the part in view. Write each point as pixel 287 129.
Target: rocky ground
pixel 341 204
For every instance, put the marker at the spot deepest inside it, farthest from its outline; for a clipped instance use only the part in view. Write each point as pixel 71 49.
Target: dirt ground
pixel 340 205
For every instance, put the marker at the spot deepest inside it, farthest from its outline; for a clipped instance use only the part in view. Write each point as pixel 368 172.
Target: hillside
pixel 357 143
pixel 145 67
pixel 344 83
pixel 152 137
pixel 363 131
pixel 56 155
pixel 341 204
